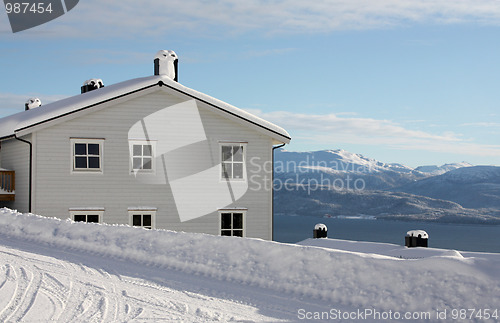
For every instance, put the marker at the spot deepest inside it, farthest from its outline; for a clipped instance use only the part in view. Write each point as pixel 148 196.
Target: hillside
pixel 340 166
pixel 472 187
pixel 53 270
pixel 323 201
pixel 337 182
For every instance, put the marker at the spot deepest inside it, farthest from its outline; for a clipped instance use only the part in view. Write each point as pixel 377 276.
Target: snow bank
pixel 351 279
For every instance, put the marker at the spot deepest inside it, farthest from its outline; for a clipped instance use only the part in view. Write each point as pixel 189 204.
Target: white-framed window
pixel 89 215
pixel 232 222
pixel 144 218
pixel 142 156
pixel 87 154
pixel 233 165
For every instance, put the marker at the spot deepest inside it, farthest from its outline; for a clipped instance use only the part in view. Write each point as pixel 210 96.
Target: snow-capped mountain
pixel 333 161
pixel 342 167
pixel 472 187
pixel 338 182
pixel 438 170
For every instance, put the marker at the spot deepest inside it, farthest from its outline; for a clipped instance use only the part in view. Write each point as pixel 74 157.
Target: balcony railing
pixel 7 184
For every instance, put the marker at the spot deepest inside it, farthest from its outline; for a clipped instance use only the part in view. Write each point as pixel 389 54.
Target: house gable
pixel 115 188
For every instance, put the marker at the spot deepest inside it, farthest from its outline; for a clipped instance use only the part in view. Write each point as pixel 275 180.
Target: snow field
pixel 341 278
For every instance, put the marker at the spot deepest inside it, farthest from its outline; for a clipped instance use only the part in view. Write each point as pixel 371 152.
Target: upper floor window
pixel 142 156
pixel 233 161
pixel 87 154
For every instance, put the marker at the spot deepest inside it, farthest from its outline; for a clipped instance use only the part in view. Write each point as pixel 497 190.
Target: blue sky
pixel 413 82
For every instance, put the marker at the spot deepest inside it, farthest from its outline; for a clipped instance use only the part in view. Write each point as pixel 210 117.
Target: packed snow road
pixel 40 284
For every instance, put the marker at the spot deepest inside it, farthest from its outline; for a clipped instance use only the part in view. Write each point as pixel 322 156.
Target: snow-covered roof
pixel 27 121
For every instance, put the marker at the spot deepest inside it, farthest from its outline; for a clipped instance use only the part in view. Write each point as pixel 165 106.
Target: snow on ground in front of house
pixel 397 251
pixel 57 270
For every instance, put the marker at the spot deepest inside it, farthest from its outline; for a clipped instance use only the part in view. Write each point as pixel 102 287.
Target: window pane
pixel 226 170
pixel 147 163
pixel 225 221
pixel 237 220
pixel 147 150
pixel 238 170
pixel 225 233
pixel 137 163
pixel 80 149
pixel 137 150
pixel 93 218
pixel 80 162
pixel 93 149
pixel 93 162
pixel 136 220
pixel 226 153
pixel 238 153
pixel 80 217
pixel 238 233
pixel 146 220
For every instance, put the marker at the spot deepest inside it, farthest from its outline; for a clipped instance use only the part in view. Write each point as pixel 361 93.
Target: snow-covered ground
pixel 53 270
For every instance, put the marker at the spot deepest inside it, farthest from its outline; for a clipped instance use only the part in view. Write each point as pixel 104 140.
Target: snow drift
pixel 343 278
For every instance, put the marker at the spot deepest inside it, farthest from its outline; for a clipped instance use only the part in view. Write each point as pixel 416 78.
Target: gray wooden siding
pixel 16 156
pixel 58 188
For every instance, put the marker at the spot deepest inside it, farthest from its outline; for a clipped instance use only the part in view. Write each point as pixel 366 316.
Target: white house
pixel 146 152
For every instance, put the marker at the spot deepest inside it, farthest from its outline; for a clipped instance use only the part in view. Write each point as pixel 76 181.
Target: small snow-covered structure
pixel 32 103
pixel 92 84
pixel 416 238
pixel 148 152
pixel 166 63
pixel 320 231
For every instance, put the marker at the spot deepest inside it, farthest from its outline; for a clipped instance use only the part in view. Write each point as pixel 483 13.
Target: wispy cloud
pixel 11 102
pixel 482 124
pixel 126 17
pixel 334 129
pixel 269 52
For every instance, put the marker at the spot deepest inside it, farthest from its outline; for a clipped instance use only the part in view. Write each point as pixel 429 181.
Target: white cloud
pixel 123 18
pixel 11 103
pixel 482 124
pixel 334 130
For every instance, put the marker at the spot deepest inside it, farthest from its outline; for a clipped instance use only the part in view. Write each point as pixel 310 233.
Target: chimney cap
pixel 166 64
pixel 320 226
pixel 166 55
pixel 92 84
pixel 32 103
pixel 97 83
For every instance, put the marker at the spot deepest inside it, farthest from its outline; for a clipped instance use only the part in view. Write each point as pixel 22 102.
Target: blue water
pixel 466 237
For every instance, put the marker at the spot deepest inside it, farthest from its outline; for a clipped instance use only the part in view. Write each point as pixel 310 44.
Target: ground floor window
pixel 87 215
pixel 232 223
pixel 145 218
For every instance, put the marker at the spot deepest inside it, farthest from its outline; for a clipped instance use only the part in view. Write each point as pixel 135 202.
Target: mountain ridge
pixel 337 182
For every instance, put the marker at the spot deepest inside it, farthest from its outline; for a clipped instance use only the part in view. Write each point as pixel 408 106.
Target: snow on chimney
pixel 92 84
pixel 166 64
pixel 32 103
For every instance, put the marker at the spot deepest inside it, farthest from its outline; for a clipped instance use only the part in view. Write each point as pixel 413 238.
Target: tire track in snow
pixel 56 292
pixel 27 287
pixel 87 288
pixel 8 288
